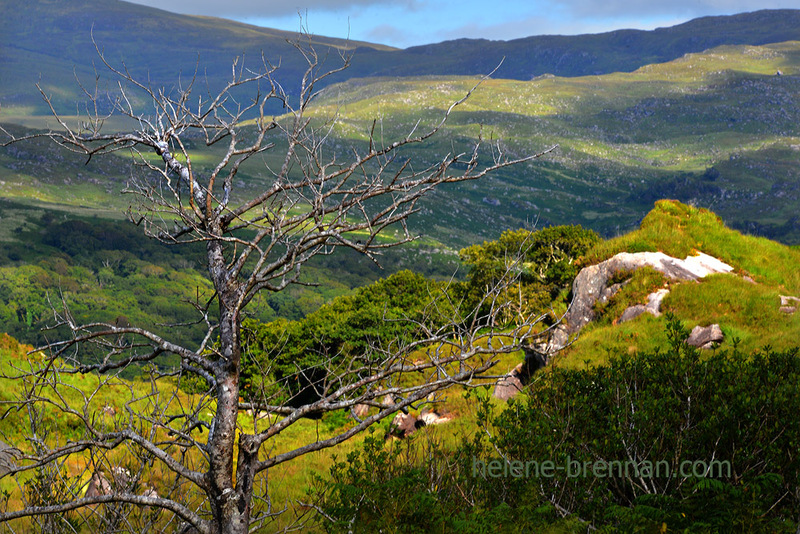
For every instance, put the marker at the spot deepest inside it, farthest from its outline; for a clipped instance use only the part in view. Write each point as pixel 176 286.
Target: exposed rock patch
pixel 508 386
pixel 652 307
pixel 404 424
pixel 591 285
pixel 431 417
pixel 789 304
pixel 705 337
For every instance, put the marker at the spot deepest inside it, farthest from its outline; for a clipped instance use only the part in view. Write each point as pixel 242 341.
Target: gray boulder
pixel 403 425
pixel 508 386
pixel 632 312
pixel 705 337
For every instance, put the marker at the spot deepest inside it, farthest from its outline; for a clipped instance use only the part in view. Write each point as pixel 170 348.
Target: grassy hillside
pixel 717 129
pixel 744 303
pixel 746 308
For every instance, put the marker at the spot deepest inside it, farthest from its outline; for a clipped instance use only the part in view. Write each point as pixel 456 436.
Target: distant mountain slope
pixel 49 39
pixel 719 129
pixel 581 55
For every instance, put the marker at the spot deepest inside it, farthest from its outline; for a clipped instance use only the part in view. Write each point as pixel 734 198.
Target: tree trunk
pixel 227 517
pixel 230 507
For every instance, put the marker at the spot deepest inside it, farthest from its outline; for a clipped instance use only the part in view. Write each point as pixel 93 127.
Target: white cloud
pixel 386 33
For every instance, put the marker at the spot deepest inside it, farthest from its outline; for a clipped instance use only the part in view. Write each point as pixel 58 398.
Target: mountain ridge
pixel 622 50
pixel 49 40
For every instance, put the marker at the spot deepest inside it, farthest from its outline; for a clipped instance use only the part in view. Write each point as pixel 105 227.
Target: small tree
pixel 213 469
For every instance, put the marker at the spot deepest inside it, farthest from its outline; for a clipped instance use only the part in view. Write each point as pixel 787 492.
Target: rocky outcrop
pixel 591 286
pixel 705 337
pixel 403 425
pixel 431 417
pixel 512 383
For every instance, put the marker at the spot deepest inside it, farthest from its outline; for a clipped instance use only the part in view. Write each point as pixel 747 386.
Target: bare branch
pixel 311 204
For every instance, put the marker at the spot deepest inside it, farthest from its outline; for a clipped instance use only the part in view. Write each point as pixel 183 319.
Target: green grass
pixel 678 230
pixel 626 140
pixel 290 483
pixel 747 310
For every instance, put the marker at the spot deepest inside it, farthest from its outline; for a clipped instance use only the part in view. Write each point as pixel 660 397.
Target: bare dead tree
pixel 199 462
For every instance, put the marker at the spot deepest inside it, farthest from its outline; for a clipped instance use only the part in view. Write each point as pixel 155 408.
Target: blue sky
pixel 404 23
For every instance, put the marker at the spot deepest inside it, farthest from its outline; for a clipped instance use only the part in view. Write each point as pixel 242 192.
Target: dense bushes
pixel 290 355
pixel 537 265
pixel 683 415
pixel 376 318
pixel 673 440
pixel 418 487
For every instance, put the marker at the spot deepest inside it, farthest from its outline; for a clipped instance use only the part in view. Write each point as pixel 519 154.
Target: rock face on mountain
pixel 591 286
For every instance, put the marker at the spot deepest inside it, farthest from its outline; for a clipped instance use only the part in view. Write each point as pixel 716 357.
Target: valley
pixel 194 361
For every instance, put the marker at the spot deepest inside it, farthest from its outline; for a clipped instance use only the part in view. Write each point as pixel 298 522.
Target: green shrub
pixel 650 423
pixel 417 486
pixel 665 441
